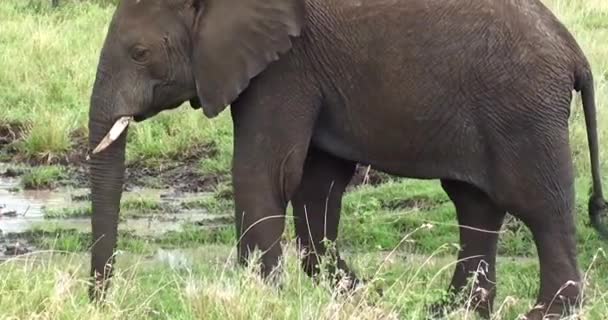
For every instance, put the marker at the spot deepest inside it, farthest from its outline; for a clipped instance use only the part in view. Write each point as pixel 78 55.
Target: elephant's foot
pixel 344 282
pixel 334 271
pixel 354 287
pixel 558 309
pixel 100 284
pixel 479 302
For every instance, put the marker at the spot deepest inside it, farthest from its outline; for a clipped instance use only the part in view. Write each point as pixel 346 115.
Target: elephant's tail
pixel 598 207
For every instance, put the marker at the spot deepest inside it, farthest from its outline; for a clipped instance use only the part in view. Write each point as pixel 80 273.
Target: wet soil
pixel 22 214
pixel 183 175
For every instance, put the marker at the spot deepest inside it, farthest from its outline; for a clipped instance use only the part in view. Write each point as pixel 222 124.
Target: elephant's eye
pixel 139 53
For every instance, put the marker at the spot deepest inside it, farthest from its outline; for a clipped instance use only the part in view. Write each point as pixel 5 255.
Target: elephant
pixel 474 94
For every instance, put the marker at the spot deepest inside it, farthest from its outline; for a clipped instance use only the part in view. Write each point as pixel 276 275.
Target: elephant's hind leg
pixel 480 220
pixel 317 204
pixel 540 192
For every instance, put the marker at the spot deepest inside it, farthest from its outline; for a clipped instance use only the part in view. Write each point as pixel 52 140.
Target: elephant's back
pixel 468 33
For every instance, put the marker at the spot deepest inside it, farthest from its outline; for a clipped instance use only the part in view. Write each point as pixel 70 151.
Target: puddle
pixel 23 210
pixel 27 205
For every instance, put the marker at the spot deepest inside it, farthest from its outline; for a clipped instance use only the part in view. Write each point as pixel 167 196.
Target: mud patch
pixel 181 175
pixel 16 248
pixel 420 202
pixel 10 248
pixel 12 173
pixel 184 177
pixel 7 213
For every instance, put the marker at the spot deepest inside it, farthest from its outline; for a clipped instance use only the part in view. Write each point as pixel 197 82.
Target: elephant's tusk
pixel 118 127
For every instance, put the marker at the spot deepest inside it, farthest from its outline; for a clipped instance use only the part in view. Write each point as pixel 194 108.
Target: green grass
pixel 46 73
pixel 46 141
pixel 203 284
pixel 64 213
pixel 52 236
pixel 178 135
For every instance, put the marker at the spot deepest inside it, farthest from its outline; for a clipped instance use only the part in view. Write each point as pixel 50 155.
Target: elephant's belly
pixel 337 145
pixel 424 153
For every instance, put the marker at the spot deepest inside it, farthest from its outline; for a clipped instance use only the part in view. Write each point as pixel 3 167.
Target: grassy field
pixel 400 233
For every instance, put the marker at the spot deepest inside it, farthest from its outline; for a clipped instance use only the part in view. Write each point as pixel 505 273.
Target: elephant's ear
pixel 235 40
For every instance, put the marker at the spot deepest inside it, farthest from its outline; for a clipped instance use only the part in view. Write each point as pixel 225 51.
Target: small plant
pixel 45 177
pixel 142 204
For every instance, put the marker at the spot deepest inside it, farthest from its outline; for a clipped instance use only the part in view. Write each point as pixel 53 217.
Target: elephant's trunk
pixel 107 169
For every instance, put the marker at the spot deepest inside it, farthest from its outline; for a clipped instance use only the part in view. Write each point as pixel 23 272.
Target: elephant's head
pixel 159 54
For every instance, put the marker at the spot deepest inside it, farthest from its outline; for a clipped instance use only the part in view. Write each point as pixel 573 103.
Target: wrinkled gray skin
pixel 474 93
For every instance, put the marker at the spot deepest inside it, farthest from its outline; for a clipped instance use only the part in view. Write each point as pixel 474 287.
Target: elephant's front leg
pixel 317 204
pixel 263 183
pixel 269 153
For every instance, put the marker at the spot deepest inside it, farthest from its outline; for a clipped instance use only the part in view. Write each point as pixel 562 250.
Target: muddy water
pixel 26 205
pixel 28 208
pixel 24 210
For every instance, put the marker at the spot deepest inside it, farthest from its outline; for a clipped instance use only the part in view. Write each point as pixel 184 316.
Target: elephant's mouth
pixel 117 129
pixel 143 116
